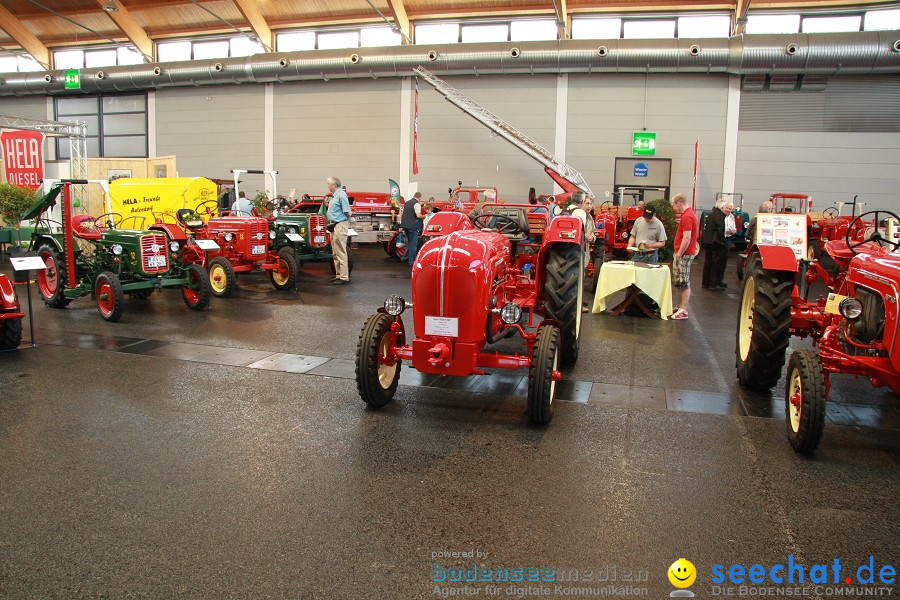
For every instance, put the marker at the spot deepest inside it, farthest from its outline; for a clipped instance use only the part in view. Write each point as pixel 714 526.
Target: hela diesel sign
pixel 23 157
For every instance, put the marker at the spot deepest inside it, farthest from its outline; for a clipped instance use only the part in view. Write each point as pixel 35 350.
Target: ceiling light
pixel 110 6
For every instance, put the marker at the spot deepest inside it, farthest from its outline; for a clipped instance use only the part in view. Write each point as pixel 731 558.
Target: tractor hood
pixel 45 203
pixel 452 281
pixel 123 236
pixel 876 265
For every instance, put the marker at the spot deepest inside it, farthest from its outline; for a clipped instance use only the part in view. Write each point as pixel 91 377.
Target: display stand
pixel 23 263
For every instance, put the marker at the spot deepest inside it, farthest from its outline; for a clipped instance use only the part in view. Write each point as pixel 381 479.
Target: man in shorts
pixel 686 249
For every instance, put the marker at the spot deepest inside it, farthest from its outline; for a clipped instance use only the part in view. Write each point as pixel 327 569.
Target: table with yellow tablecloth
pixel 655 281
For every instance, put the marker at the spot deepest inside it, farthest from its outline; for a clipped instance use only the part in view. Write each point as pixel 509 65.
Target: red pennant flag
pixel 415 165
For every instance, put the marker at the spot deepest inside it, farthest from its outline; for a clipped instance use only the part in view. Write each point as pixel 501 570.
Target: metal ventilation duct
pixel 795 54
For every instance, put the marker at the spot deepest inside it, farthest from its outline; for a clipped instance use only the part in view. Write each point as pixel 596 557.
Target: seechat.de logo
pixel 682 574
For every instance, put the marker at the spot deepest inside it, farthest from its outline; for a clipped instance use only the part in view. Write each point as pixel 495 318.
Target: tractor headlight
pixel 116 249
pixel 228 236
pixel 624 235
pixel 272 235
pixel 174 246
pixel 851 308
pixel 510 313
pixel 394 305
pixel 292 230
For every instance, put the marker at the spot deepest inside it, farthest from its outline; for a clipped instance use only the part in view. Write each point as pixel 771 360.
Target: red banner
pixel 23 157
pixel 416 132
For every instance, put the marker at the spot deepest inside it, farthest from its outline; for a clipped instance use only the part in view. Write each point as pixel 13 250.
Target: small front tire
pixel 110 297
pixel 222 279
pixel 541 382
pixel 804 401
pixel 10 334
pixel 284 276
pixel 375 379
pixel 197 293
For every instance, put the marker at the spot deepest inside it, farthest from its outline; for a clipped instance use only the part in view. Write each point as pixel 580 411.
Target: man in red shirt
pixel 686 248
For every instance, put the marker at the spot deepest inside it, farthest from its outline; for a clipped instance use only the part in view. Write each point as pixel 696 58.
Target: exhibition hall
pixel 357 299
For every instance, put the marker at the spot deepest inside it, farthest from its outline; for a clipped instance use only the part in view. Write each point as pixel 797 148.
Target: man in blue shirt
pixel 339 214
pixel 242 206
pixel 411 222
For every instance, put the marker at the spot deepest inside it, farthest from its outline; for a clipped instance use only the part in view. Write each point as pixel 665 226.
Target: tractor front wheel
pixel 804 401
pixel 197 293
pixel 562 295
pixel 541 382
pixel 377 376
pixel 764 325
pixel 52 280
pixel 10 334
pixel 397 246
pixel 284 276
pixel 222 279
pixel 110 297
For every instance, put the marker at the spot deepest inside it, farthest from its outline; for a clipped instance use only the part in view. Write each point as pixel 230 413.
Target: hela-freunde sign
pixel 23 157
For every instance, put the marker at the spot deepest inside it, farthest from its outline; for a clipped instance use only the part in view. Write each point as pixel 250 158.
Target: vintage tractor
pixel 227 245
pixel 301 231
pixel 475 287
pixel 854 328
pixel 11 316
pixel 616 222
pixel 87 255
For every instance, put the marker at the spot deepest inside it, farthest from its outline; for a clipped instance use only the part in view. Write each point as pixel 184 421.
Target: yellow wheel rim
pixel 218 278
pixel 795 388
pixel 281 275
pixel 745 325
pixel 385 372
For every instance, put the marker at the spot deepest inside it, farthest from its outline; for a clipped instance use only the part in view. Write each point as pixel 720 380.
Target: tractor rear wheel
pixel 197 293
pixel 764 324
pixel 541 385
pixel 10 334
pixel 284 276
pixel 52 280
pixel 376 380
pixel 563 293
pixel 398 246
pixel 222 279
pixel 110 297
pixel 804 400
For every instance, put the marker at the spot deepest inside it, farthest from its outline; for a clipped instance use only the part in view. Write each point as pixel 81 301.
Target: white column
pixel 151 124
pixel 269 135
pixel 731 133
pixel 406 101
pixel 562 119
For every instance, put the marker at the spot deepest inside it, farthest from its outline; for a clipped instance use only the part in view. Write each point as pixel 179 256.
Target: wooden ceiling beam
pixel 87 10
pixel 562 19
pixel 739 16
pixel 258 24
pixel 401 19
pixel 131 28
pixel 33 46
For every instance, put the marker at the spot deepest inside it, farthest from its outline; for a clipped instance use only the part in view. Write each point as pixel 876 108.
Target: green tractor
pixel 303 229
pixel 87 255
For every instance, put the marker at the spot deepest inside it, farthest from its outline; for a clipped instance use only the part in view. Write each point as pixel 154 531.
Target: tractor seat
pixel 85 227
pixel 517 215
pixel 189 218
pixel 840 252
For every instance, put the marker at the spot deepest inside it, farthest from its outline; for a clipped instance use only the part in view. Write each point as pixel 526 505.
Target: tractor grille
pixel 318 236
pixel 257 227
pixel 147 250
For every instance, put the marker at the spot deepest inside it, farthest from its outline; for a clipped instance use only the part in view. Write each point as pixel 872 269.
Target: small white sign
pixel 294 237
pixel 206 244
pixel 27 263
pixel 783 230
pixel 448 326
pixel 351 232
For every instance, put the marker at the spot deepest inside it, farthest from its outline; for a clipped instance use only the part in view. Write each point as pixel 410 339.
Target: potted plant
pixel 14 201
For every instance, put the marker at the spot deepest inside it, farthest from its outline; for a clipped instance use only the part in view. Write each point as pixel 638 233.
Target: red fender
pixel 777 258
pixel 174 232
pixel 7 295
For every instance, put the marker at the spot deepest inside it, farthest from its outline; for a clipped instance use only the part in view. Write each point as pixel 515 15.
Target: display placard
pixel 833 305
pixel 783 230
pixel 294 237
pixel 448 326
pixel 206 245
pixel 27 263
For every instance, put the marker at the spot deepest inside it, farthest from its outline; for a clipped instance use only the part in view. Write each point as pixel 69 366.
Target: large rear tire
pixel 110 297
pixel 198 292
pixel 52 280
pixel 804 401
pixel 764 323
pixel 377 382
pixel 222 279
pixel 541 385
pixel 284 276
pixel 563 294
pixel 10 334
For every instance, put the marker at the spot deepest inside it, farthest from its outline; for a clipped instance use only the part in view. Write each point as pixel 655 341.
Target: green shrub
pixel 14 201
pixel 665 214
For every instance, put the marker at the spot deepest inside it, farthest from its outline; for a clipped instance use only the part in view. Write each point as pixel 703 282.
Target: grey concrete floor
pixel 126 474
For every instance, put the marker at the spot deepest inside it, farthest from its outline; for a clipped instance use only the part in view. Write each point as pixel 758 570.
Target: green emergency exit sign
pixel 73 79
pixel 643 143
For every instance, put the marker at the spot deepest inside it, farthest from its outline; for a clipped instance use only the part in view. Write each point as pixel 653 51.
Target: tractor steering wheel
pixel 831 212
pixel 503 223
pixel 204 207
pixel 604 208
pixel 876 237
pixel 110 222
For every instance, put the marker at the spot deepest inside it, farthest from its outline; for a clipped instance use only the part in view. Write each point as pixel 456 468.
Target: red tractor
pixel 227 245
pixel 11 316
pixel 475 287
pixel 854 328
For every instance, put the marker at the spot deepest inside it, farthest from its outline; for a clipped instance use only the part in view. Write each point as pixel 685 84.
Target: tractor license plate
pixel 156 261
pixel 319 239
pixel 293 237
pixel 448 326
pixel 259 249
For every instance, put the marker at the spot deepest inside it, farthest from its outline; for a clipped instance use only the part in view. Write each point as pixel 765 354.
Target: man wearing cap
pixel 648 235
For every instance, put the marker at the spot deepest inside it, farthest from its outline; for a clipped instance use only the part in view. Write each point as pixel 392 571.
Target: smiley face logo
pixel 682 573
